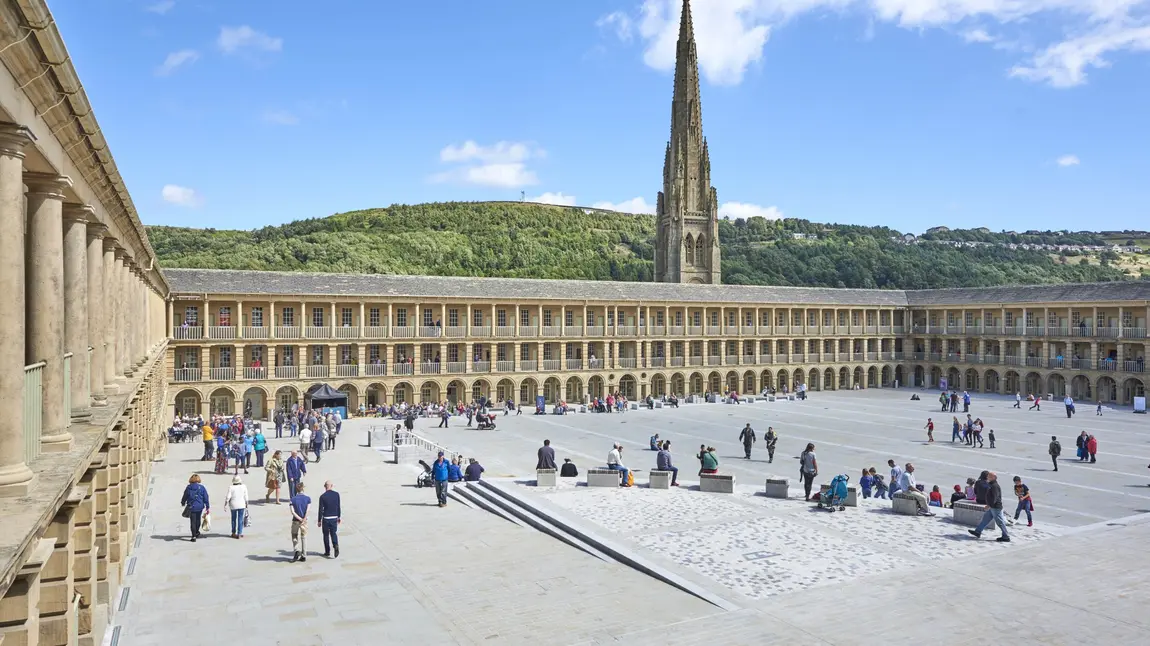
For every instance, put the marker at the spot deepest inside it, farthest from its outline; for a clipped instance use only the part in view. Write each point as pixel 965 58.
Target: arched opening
pixel 480 390
pixel 887 377
pixel 749 382
pixel 1012 382
pixel 813 380
pixel 858 380
pixel 456 391
pixel 403 393
pixel 935 377
pixel 953 378
pixel 919 377
pixel 678 384
pixel 697 387
pixel 701 251
pixel 528 389
pixel 1034 384
pixel 1056 385
pixel 352 394
pixel 658 385
pixel 1132 388
pixel 552 390
pixel 188 403
pixel 223 401
pixel 767 380
pixel 286 397
pixel 595 387
pixel 689 248
pixel 784 379
pixel 872 377
pixel 1107 390
pixel 732 381
pixel 505 390
pixel 1081 388
pixel 991 382
pixel 829 379
pixel 900 375
pixel 971 383
pixel 429 392
pixel 256 401
pixel 574 390
pixel 376 394
pixel 714 382
pixel 627 387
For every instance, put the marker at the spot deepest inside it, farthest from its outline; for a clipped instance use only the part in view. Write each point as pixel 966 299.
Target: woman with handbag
pixel 195 503
pixel 275 475
pixel 808 468
pixel 237 503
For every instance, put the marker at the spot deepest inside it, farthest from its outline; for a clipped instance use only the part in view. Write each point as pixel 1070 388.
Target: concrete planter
pixel 715 483
pixel 546 477
pixel 778 487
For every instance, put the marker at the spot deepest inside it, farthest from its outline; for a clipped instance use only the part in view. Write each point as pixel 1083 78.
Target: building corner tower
pixel 687 210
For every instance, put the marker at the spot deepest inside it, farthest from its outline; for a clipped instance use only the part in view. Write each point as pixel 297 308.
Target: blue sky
pixel 1010 114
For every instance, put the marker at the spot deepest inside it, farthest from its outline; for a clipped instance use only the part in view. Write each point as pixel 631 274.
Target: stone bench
pixel 546 477
pixel 903 503
pixel 659 479
pixel 603 477
pixel 968 512
pixel 749 400
pixel 658 404
pixel 770 398
pixel 778 488
pixel 791 397
pixel 582 408
pixel 852 495
pixel 716 483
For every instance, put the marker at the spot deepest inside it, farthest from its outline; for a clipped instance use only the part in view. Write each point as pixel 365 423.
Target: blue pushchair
pixel 835 498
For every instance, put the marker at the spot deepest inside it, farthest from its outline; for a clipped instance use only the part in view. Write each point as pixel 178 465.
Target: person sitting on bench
pixel 568 470
pixel 710 461
pixel 615 463
pixel 663 462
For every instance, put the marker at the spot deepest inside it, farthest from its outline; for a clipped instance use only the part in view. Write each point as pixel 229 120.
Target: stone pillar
pixel 76 317
pixel 44 284
pixel 15 476
pixel 109 321
pixel 96 315
pixel 123 314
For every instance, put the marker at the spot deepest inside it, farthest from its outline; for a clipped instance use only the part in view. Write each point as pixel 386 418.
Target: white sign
pixel 1139 404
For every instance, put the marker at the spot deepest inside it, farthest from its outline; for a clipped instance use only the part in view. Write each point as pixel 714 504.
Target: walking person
pixel 299 505
pixel 1018 400
pixel 329 519
pixel 1092 448
pixel 304 442
pixel 260 444
pixel 210 439
pixel 1055 450
pixel 249 443
pixel 1037 401
pixel 1080 443
pixel 930 430
pixel 993 511
pixel 275 475
pixel 237 503
pixel 195 503
pixel 443 416
pixel 439 475
pixel 296 467
pixel 317 440
pixel 965 401
pixel 1025 502
pixel 279 421
pixel 747 437
pixel 955 430
pixel 772 439
pixel 808 468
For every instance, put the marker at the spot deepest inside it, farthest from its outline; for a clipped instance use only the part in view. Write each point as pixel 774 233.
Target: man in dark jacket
pixel 568 470
pixel 748 438
pixel 772 439
pixel 1055 450
pixel 980 487
pixel 993 511
pixel 546 456
pixel 663 463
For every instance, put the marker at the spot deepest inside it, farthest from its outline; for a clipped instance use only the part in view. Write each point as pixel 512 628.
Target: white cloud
pixel 280 118
pixel 560 199
pixel 500 165
pixel 732 34
pixel 176 60
pixel 735 210
pixel 1068 160
pixel 633 205
pixel 162 7
pixel 181 195
pixel 243 38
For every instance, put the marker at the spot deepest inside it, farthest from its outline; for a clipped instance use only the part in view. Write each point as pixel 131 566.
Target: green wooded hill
pixel 542 241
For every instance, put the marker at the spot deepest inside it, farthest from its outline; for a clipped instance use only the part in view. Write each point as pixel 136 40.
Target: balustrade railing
pixel 429 331
pixel 552 331
pixel 187 333
pixel 574 364
pixel 186 374
pixel 255 373
pixel 317 371
pixel 256 332
pixel 528 331
pixel 222 373
pixel 505 331
pixel 347 370
pixel 375 370
pixel 221 332
pixel 403 369
pixel 33 410
pixel 505 366
pixel 481 330
pixel 429 368
pixel 528 365
pixel 67 383
pixel 287 332
pixel 456 331
pixel 552 364
pixel 677 362
pixel 658 362
pixel 628 362
pixel 403 332
pixel 317 332
pixel 480 366
pixel 456 367
pixel 287 372
pixel 347 332
pixel 374 332
pixel 714 360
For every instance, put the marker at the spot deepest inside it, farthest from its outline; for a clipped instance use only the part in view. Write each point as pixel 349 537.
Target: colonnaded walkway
pixel 412 573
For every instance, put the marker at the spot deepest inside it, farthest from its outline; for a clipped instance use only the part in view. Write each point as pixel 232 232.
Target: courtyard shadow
pixel 418 504
pixel 168 538
pixel 283 556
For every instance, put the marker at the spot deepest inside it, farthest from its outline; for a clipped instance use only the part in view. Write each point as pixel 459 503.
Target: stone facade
pixel 687 209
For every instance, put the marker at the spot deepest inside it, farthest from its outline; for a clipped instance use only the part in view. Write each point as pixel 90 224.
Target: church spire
pixel 686 111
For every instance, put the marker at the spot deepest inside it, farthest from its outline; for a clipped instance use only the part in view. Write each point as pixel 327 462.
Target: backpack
pixel 630 478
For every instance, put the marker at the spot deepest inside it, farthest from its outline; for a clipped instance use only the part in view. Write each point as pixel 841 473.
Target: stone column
pixel 109 321
pixel 124 314
pixel 76 317
pixel 96 304
pixel 15 476
pixel 44 282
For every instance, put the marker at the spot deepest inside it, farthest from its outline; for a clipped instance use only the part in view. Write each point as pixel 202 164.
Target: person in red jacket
pixel 1091 447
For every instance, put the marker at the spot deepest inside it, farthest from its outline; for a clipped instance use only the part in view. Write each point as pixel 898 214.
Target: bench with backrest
pixel 603 477
pixel 968 512
pixel 903 503
pixel 716 483
pixel 659 479
pixel 546 477
pixel 778 487
pixel 852 495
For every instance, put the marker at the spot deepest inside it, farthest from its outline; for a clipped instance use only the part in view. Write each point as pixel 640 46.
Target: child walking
pixel 1025 502
pixel 879 485
pixel 1098 411
pixel 929 430
pixel 990 436
pixel 867 483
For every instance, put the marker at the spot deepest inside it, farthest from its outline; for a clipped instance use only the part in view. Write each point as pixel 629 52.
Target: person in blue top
pixel 260 444
pixel 655 442
pixel 295 467
pixel 299 504
pixel 439 473
pixel 663 462
pixel 249 449
pixel 454 473
pixel 195 502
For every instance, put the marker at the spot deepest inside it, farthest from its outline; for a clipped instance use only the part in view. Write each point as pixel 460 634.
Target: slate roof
pixel 228 281
pixel 276 283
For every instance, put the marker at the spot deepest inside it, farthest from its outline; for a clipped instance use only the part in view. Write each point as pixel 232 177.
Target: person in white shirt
pixel 305 441
pixel 237 502
pixel 615 463
pixel 908 486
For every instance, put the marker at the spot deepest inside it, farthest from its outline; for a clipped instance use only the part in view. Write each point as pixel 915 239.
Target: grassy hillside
pixel 540 241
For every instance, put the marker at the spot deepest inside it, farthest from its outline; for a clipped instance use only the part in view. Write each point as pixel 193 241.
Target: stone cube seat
pixel 770 398
pixel 791 397
pixel 658 404
pixel 778 488
pixel 968 512
pixel 716 483
pixel 903 503
pixel 546 477
pixel 603 477
pixel 659 479
pixel 852 495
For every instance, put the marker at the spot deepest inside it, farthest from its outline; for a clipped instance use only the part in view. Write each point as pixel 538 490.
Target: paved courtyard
pixel 411 573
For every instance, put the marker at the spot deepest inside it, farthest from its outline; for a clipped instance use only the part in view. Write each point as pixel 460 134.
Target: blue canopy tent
pixel 324 397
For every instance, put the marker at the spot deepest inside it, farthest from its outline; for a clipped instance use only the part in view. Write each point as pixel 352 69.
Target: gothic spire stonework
pixel 687 237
